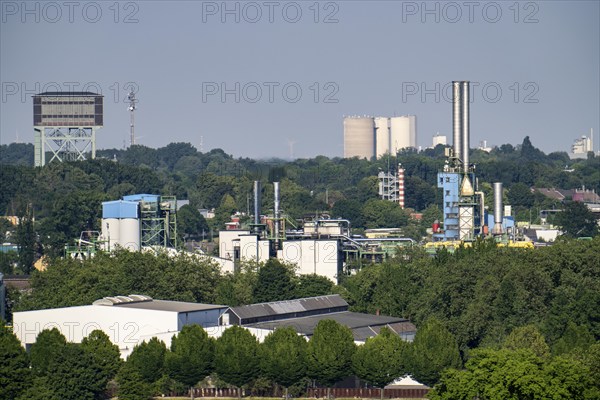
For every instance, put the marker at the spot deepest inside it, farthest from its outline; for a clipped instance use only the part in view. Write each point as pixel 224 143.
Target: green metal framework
pixel 159 222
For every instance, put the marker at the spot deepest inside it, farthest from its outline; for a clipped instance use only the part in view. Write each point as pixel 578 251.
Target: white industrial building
pixel 127 320
pixel 368 137
pixel 131 320
pixel 581 146
pixel 310 256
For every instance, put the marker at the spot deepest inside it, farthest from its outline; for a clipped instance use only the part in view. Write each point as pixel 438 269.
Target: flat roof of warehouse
pixel 289 306
pixel 362 325
pixel 166 305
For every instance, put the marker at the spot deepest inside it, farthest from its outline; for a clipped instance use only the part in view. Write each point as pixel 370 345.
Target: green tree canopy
pixel 520 195
pixel 577 220
pixel 74 375
pixel 132 385
pixel 527 337
pixel 15 375
pixel 433 350
pixel 190 222
pixel 505 374
pixel 313 285
pixel 576 339
pixel 330 351
pixel 48 345
pixel 283 357
pixel 381 359
pixel 105 354
pixel 275 282
pixel 148 359
pixel 236 356
pixel 191 357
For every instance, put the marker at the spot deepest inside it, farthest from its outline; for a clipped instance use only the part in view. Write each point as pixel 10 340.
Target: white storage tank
pixel 399 133
pixel 359 137
pixel 111 232
pixel 413 130
pixel 382 136
pixel 130 234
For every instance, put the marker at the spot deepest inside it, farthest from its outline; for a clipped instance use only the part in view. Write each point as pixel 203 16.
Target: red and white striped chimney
pixel 400 185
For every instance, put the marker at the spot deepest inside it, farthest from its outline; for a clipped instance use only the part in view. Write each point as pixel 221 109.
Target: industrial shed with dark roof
pixel 305 314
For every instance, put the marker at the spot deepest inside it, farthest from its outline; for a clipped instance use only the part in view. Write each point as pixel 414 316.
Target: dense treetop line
pixel 480 294
pixel 522 367
pixel 65 199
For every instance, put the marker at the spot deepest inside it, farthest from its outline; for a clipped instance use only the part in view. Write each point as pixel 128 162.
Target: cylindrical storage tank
pixel 130 234
pixel 382 136
pixel 457 119
pixel 111 232
pixel 466 138
pixel 359 137
pixel 413 130
pixel 498 208
pixel 399 134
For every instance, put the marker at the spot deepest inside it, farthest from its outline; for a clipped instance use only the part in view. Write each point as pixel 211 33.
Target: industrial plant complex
pixel 65 126
pixel 319 245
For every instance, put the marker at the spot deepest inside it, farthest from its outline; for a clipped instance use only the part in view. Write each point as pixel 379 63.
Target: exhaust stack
pixel 276 209
pixel 257 203
pixel 498 209
pixel 460 122
pixel 465 126
pixel 457 119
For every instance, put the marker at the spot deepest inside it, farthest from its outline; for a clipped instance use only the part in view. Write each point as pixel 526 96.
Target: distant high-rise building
pixel 367 137
pixel 439 139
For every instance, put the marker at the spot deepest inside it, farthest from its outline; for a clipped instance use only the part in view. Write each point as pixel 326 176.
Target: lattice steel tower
pixel 65 125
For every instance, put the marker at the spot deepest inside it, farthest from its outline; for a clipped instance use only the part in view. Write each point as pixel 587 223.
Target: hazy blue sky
pixel 365 57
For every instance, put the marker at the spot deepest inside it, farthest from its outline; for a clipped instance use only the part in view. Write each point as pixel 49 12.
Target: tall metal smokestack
pixel 498 209
pixel 276 209
pixel 457 119
pixel 465 125
pixel 256 202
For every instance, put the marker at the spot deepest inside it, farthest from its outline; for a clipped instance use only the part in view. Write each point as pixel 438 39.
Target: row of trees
pixel 69 282
pixel 482 293
pixel 54 368
pixel 522 367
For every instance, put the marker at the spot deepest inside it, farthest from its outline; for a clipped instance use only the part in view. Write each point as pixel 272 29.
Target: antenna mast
pixel 132 107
